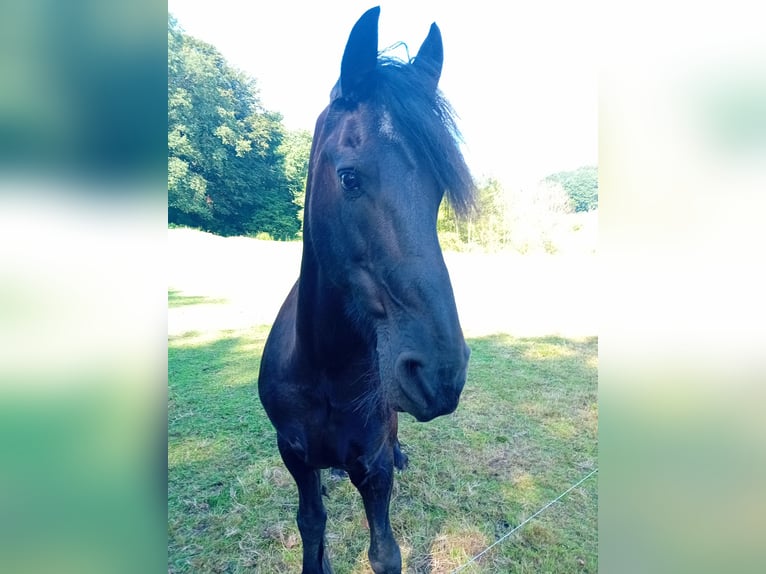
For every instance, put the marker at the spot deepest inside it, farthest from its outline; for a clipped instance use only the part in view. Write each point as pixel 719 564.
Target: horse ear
pixel 361 54
pixel 431 56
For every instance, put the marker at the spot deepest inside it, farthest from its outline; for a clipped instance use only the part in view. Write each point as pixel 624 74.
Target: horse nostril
pixel 409 367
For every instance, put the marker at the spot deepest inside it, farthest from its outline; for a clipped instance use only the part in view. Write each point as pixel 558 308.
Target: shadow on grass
pixel 175 299
pixel 525 430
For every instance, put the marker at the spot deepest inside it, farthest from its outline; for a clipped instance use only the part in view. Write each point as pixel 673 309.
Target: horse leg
pixel 400 459
pixel 375 486
pixel 312 517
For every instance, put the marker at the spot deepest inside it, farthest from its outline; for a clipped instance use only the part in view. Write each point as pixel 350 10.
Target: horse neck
pixel 326 334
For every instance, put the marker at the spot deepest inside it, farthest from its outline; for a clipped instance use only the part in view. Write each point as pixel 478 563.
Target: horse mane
pixel 425 121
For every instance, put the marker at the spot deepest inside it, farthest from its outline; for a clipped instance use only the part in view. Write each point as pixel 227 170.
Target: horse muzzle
pixel 428 388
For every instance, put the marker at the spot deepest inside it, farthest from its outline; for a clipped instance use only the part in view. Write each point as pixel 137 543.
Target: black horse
pixel 370 328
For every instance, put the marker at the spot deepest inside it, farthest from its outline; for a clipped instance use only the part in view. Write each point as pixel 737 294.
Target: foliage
pixel 483 226
pixel 539 219
pixel 229 170
pixel 296 148
pixel 581 185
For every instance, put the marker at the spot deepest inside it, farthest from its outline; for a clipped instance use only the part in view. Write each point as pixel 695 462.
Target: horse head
pixel 384 155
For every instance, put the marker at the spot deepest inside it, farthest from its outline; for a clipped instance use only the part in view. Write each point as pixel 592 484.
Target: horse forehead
pixel 351 133
pixel 363 125
pixel 370 133
pixel 386 126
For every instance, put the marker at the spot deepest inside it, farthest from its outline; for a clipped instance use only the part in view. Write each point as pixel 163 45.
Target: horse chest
pixel 337 438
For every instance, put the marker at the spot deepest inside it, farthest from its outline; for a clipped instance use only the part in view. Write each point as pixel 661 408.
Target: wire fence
pixel 510 532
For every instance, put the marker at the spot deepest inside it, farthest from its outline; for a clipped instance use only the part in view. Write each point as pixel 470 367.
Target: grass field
pixel 525 430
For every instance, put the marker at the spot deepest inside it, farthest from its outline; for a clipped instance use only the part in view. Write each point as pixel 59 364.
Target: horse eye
pixel 349 180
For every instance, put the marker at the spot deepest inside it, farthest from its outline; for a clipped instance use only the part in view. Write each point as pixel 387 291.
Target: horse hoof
pixel 338 474
pixel 401 460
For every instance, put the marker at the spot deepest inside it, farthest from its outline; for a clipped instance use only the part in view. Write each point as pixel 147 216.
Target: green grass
pixel 176 299
pixel 525 430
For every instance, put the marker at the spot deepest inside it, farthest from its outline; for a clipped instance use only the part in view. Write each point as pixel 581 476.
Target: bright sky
pixel 522 77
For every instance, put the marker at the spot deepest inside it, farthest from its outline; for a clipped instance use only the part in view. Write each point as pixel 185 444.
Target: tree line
pixel 537 219
pixel 234 169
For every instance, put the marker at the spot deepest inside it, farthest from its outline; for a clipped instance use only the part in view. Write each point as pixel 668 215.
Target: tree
pixel 296 149
pixel 581 185
pixel 485 225
pixel 226 166
pixel 490 225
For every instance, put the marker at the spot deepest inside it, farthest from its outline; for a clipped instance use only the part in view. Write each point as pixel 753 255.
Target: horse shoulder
pixel 279 369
